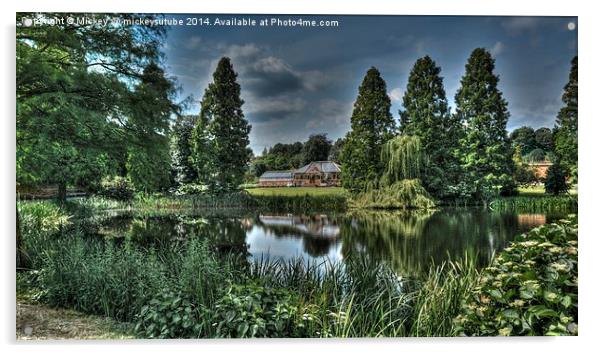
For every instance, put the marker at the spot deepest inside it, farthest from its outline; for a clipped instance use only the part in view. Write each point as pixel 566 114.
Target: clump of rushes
pixel 530 289
pixel 561 203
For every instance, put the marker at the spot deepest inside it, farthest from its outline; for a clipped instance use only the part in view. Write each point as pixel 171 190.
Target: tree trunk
pixel 62 192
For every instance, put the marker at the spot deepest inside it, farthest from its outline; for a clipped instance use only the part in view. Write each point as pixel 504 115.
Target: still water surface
pixel 408 242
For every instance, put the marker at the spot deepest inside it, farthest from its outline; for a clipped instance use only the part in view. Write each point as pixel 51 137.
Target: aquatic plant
pixel 530 288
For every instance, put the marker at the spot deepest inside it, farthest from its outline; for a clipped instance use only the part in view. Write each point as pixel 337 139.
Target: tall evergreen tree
pixel 426 116
pixel 221 136
pixel 566 124
pixel 151 107
pixel 181 150
pixel 487 162
pixel 371 126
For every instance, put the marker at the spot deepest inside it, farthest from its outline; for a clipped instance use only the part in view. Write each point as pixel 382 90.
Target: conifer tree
pixel 426 115
pixel 371 126
pixel 566 124
pixel 486 149
pixel 148 163
pixel 181 150
pixel 221 136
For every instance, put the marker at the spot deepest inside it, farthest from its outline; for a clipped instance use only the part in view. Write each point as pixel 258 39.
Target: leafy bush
pixel 255 311
pixel 169 315
pixel 556 180
pixel 116 188
pixel 530 289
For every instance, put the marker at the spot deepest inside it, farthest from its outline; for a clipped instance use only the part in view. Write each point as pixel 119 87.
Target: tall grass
pixel 440 297
pixel 544 204
pixel 240 200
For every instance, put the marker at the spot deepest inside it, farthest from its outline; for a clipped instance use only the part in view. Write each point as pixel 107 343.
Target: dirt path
pixel 38 322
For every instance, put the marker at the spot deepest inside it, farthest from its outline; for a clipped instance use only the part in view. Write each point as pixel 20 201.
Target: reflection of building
pixel 322 173
pixel 540 169
pixel 528 221
pixel 316 226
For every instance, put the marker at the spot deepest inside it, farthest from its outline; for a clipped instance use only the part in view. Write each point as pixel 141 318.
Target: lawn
pixel 539 190
pixel 297 191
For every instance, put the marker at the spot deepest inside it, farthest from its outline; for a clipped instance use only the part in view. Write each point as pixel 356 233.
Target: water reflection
pixel 408 242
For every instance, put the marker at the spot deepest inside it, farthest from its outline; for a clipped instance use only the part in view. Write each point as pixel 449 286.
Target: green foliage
pixel 335 151
pixel 523 138
pixel 148 161
pixel 406 194
pixel 74 98
pixel 440 297
pixel 221 137
pixel 536 204
pixel 556 180
pixel 536 155
pixel 116 188
pixel 530 289
pixel 566 129
pixel 39 222
pixel 426 116
pixel 404 158
pixel 523 173
pixel 282 156
pixel 168 315
pixel 250 311
pixel 148 171
pixel 181 150
pixel 316 148
pixel 371 126
pixel 487 153
pixel 544 138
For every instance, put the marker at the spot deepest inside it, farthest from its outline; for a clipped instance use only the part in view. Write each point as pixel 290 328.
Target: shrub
pixel 530 289
pixel 116 188
pixel 169 315
pixel 255 311
pixel 556 180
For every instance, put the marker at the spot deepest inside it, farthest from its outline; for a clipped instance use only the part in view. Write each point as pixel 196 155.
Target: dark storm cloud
pixel 299 81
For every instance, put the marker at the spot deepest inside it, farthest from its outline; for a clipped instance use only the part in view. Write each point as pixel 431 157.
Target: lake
pixel 408 242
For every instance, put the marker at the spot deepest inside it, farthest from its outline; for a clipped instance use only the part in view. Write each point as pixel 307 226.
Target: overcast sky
pixel 298 81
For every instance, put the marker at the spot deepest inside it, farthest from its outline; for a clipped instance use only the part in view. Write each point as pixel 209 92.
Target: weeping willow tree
pixel 399 187
pixel 403 158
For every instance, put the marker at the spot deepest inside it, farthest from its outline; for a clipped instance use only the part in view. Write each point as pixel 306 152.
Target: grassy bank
pixel 536 204
pixel 186 289
pixel 297 191
pixel 333 201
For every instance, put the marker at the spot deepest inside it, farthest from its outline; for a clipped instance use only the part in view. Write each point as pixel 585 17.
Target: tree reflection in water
pixel 408 242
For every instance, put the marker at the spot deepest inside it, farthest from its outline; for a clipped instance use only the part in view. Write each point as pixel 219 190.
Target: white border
pixel 589 140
